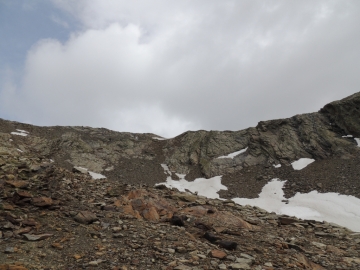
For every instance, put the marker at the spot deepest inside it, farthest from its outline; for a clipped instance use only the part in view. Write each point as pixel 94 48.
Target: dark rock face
pixel 345 114
pixel 314 135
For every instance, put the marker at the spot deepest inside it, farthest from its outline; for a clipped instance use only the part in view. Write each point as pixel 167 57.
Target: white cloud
pixel 59 21
pixel 151 119
pixel 204 64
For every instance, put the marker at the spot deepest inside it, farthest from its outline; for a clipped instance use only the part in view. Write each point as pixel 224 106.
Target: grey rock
pixel 33 237
pixel 239 266
pixel 9 250
pixel 182 267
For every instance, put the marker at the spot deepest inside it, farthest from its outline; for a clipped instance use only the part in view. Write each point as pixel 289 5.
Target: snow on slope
pixel 204 187
pixel 332 207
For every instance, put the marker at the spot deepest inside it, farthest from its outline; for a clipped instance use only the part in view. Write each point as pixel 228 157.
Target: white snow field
pixel 20 132
pixel 331 207
pixel 232 155
pixel 204 187
pixel 301 163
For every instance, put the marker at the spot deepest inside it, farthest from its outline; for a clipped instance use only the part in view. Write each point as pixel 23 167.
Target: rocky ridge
pixel 313 135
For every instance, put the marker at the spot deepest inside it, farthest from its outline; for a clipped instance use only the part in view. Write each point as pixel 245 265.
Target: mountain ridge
pixel 54 215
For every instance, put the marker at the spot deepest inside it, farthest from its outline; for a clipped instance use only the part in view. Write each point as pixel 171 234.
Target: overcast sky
pixel 166 66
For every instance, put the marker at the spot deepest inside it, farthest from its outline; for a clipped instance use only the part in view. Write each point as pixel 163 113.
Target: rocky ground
pixel 52 218
pixel 329 175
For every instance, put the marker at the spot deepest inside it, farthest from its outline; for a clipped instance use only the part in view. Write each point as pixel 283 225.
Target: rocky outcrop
pixel 344 114
pixel 314 135
pixel 96 149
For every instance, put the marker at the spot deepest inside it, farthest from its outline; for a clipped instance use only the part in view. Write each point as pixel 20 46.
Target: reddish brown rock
pixel 127 209
pixel 85 217
pixel 196 210
pixel 57 245
pixel 307 263
pixel 23 194
pixel 18 183
pixel 219 254
pixel 150 214
pixel 12 267
pixel 117 203
pixel 142 204
pixel 6 206
pixel 335 250
pixel 218 218
pixel 42 201
pixel 134 194
pixel 29 222
pixel 23 230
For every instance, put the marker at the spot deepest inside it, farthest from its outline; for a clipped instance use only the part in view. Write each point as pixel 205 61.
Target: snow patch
pixel 341 209
pixel 232 155
pixel 159 138
pixel 20 150
pixel 204 187
pixel 20 132
pixel 357 141
pixel 277 166
pixel 94 175
pixel 166 169
pixel 108 169
pixel 302 163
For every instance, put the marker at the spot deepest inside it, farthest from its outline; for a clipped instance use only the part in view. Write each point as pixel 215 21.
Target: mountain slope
pixel 136 158
pixel 54 215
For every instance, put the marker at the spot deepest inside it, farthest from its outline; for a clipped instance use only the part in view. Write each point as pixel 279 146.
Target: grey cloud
pixel 166 67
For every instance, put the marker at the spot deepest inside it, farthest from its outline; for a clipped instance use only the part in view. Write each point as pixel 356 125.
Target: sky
pixel 166 67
